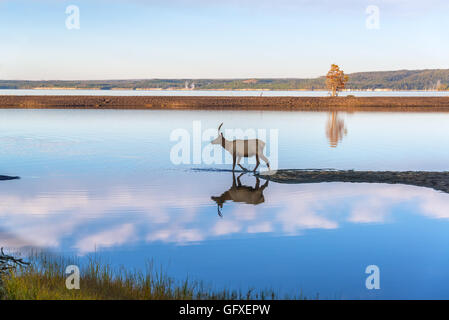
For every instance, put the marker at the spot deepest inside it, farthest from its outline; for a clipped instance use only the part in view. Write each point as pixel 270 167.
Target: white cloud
pixel 225 227
pixel 260 228
pixel 105 239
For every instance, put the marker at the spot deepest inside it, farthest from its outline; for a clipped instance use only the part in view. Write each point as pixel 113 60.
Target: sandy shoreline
pixel 416 104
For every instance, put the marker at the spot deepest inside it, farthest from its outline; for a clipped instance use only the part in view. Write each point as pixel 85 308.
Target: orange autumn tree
pixel 336 80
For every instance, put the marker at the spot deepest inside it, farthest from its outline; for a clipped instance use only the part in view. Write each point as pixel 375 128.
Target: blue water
pixel 103 181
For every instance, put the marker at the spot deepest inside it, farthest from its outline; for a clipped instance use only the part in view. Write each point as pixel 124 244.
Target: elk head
pixel 219 202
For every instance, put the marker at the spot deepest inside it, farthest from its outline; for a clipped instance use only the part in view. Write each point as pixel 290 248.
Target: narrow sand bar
pixel 435 180
pixel 414 104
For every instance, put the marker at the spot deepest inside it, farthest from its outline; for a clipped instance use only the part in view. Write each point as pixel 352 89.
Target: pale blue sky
pixel 209 39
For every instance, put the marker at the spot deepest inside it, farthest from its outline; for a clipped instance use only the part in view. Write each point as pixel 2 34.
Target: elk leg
pixel 266 161
pixel 265 185
pixel 238 162
pixel 257 162
pixel 238 179
pixel 243 168
pixel 257 183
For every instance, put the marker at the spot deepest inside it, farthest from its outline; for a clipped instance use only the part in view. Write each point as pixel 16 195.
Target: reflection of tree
pixel 335 129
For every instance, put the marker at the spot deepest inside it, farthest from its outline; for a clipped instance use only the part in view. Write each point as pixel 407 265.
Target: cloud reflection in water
pixel 181 212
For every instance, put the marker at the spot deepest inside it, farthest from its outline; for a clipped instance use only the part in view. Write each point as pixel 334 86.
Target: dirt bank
pixel 417 104
pixel 435 180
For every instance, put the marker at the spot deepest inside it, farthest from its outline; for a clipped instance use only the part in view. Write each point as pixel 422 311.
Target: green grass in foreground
pixel 44 279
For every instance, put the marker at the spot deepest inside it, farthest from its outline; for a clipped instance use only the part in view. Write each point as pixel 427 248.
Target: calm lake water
pixel 216 93
pixel 103 181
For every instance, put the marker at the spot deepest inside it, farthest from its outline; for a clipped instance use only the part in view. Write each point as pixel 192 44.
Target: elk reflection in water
pixel 241 193
pixel 335 129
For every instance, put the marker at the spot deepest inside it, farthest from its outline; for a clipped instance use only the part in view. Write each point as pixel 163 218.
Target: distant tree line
pixel 395 80
pixel 400 80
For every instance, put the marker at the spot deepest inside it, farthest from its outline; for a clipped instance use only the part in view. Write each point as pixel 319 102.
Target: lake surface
pixel 217 93
pixel 104 181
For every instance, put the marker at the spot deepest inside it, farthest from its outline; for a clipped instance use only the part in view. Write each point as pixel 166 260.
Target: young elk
pixel 242 148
